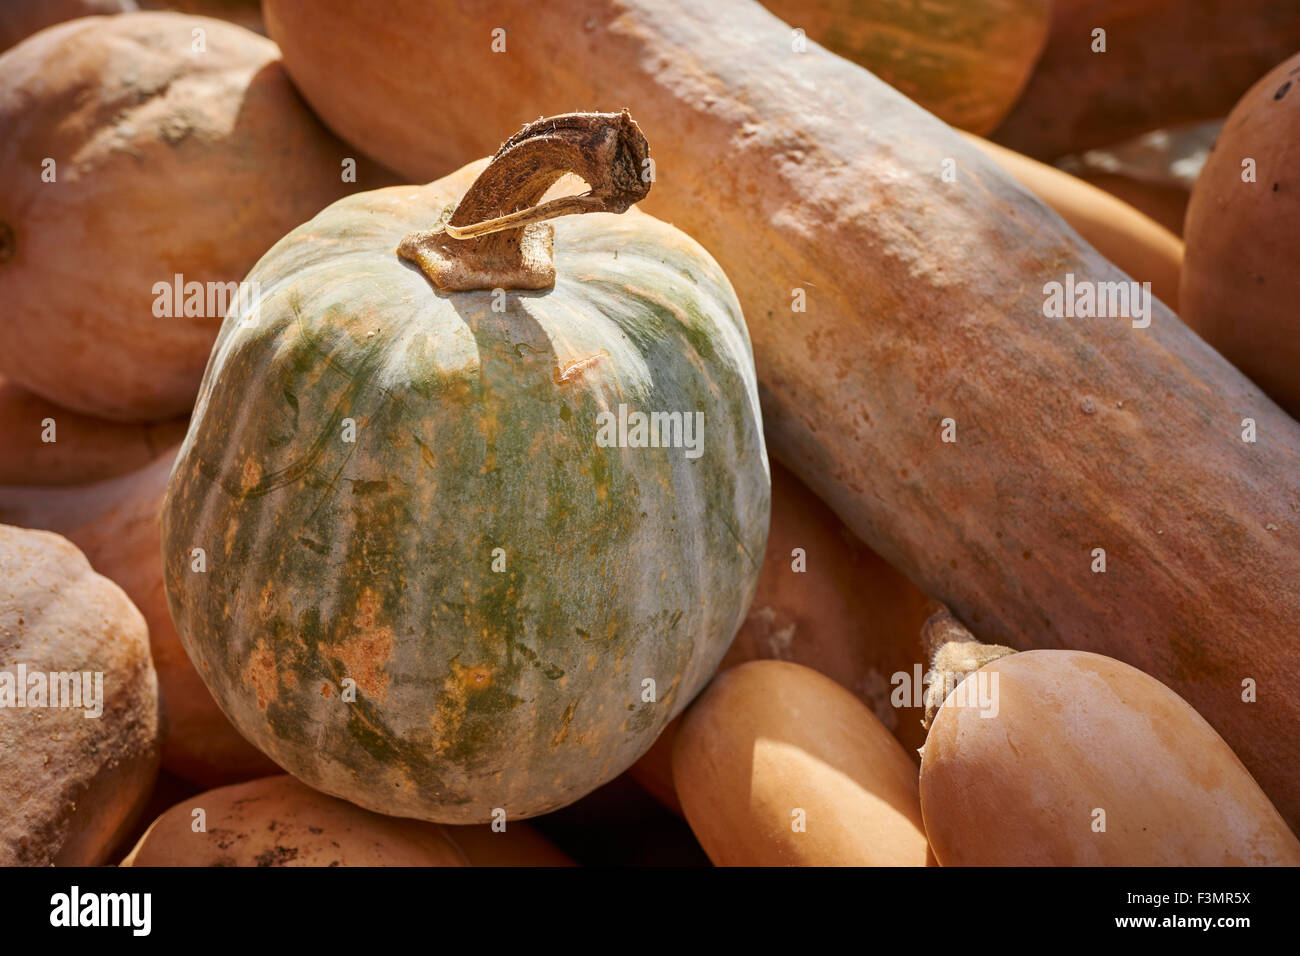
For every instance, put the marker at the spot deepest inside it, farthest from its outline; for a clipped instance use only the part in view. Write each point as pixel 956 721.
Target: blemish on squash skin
pixel 262 676
pixel 574 369
pixel 365 653
pixel 565 720
pixel 251 475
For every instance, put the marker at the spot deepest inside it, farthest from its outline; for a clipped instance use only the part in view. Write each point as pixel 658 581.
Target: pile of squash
pixel 384 469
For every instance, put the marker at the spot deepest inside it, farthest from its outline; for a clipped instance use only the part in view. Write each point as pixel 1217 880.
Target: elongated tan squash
pixel 812 182
pixel 277 821
pixel 1241 289
pixel 777 765
pixel 1143 248
pixel 1065 758
pixel 965 61
pixel 45 444
pixel 1165 62
pixel 116 524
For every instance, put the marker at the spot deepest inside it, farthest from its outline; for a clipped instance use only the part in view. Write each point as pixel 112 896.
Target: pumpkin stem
pixel 496 236
pixel 955 654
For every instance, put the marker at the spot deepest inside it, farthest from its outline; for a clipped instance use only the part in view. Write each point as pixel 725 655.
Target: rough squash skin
pixel 71 786
pixel 475 430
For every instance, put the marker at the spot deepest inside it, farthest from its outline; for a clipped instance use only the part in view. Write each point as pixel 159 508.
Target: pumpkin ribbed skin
pixel 475 430
pixel 965 61
pixel 167 162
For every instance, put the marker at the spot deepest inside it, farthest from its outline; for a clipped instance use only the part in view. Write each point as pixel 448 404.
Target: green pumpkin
pixel 409 546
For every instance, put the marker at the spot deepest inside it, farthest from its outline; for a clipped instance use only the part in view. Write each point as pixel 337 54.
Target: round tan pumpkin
pixel 163 160
pixel 1086 761
pixel 70 783
pixel 1241 284
pixel 45 444
pixel 277 821
pixel 116 524
pixel 778 765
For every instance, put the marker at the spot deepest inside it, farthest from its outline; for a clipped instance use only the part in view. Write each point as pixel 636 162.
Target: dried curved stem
pixel 496 237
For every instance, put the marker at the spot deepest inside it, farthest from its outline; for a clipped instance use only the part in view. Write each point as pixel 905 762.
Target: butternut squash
pixel 777 765
pixel 815 185
pixel 1143 248
pixel 1065 758
pixel 1165 62
pixel 277 821
pixel 1241 289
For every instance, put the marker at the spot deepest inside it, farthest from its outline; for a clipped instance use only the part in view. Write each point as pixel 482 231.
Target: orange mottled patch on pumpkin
pixel 367 650
pixel 261 674
pixel 459 683
pixel 251 475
